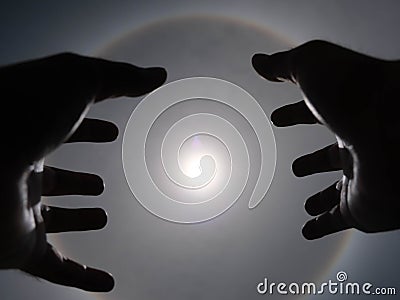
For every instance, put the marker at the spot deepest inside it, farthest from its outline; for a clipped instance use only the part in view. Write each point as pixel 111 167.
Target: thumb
pixel 53 267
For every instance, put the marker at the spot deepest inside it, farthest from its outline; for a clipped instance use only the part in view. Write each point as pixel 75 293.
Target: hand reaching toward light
pixel 355 96
pixel 44 102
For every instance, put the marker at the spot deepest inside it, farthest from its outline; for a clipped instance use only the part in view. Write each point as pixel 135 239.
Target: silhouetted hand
pixel 43 104
pixel 356 97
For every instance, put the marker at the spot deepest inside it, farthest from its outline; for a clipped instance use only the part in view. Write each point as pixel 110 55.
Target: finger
pixel 123 79
pixel 325 224
pixel 275 67
pixel 57 182
pixel 52 266
pixel 323 160
pixel 94 131
pixel 75 78
pixel 293 114
pixel 57 219
pixel 286 65
pixel 60 89
pixel 323 201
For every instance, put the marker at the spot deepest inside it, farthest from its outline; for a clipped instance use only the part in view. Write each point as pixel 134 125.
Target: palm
pixel 49 98
pixel 352 94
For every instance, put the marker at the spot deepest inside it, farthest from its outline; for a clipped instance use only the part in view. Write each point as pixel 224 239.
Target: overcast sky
pixel 224 258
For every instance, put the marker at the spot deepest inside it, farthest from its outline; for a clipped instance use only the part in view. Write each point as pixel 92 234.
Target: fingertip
pixel 328 223
pixel 98 281
pixel 319 227
pixel 326 202
pixel 261 63
pixel 311 207
pixel 102 132
pixel 94 131
pixel 258 60
pixel 56 268
pixel 100 217
pixel 110 284
pixel 111 132
pixel 309 230
pixel 124 79
pixel 96 185
pixel 276 119
pixel 306 234
pixel 159 74
pixel 155 77
pixel 298 167
pixel 292 114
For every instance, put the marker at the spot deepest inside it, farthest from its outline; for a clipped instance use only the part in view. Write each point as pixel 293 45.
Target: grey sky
pixel 225 258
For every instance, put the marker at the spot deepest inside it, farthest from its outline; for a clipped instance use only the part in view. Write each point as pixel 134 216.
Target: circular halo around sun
pixel 226 257
pixel 202 141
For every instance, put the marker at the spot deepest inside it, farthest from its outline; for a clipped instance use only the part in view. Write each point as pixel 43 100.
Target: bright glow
pixel 192 168
pixel 190 155
pixel 206 142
